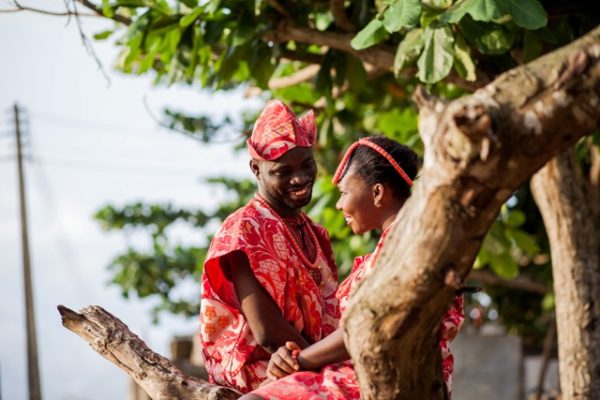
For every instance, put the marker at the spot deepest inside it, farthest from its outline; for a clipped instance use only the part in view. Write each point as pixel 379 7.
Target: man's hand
pixel 284 361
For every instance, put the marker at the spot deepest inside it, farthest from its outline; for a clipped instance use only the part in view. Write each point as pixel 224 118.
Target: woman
pixel 374 180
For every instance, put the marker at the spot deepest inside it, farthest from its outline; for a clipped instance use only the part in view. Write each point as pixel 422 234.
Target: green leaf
pixel 504 265
pixel 524 241
pixel 261 65
pixel 402 14
pixel 371 34
pixel 191 17
pixel 487 38
pixel 513 218
pixel 244 30
pixel 107 9
pixel 463 63
pixel 190 3
pixel 103 35
pixel 528 14
pixel 356 74
pixel 480 10
pixel 408 50
pixel 438 3
pixel 549 301
pixel 438 55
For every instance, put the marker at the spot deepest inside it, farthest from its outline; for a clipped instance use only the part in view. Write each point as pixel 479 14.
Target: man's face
pixel 286 183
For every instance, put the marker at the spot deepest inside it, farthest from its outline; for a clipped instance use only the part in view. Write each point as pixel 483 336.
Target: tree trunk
pixel 110 337
pixel 559 192
pixel 478 150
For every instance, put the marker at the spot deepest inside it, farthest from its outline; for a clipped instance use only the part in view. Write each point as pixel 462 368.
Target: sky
pixel 88 143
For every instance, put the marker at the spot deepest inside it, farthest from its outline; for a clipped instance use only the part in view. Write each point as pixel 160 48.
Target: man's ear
pixel 377 192
pixel 255 167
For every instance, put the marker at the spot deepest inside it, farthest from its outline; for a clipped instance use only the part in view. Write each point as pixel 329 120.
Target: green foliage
pixel 226 44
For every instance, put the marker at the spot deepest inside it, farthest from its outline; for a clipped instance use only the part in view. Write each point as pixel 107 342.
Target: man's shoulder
pixel 247 214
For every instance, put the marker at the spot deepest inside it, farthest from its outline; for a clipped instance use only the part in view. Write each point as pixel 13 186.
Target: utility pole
pixel 33 371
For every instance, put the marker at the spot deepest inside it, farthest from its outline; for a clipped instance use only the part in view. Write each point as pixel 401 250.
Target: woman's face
pixel 357 203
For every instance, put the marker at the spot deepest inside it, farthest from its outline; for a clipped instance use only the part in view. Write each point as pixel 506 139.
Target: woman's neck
pixel 390 217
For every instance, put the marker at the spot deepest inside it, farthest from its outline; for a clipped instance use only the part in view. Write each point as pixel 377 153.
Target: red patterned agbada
pixel 338 381
pixel 232 356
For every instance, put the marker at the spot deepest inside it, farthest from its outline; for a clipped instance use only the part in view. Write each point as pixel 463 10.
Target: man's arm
pixel 264 317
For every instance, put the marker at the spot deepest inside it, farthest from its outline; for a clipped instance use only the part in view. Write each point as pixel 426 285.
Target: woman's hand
pixel 284 361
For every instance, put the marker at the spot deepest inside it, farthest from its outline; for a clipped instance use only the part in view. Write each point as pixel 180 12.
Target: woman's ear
pixel 254 167
pixel 377 191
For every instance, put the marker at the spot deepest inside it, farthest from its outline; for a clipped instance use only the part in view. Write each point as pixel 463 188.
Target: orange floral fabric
pixel 232 356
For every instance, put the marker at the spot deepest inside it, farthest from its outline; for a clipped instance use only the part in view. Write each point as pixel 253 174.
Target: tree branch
pixel 112 339
pixel 302 75
pixel 478 150
pixel 380 57
pixel 20 8
pixel 521 282
pixel 116 17
pixel 340 17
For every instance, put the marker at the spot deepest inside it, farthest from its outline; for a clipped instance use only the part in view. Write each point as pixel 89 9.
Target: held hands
pixel 284 361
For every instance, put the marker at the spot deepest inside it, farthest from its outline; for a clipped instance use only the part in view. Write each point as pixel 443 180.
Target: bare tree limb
pixel 116 17
pixel 113 340
pixel 302 75
pixel 380 57
pixel 521 282
pixel 20 8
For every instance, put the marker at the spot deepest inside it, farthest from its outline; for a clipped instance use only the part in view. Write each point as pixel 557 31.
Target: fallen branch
pixel 113 340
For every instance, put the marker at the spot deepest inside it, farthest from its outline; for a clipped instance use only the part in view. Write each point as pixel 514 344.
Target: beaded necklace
pixel 314 269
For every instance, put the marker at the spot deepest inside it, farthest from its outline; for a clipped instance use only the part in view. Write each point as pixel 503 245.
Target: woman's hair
pixel 374 168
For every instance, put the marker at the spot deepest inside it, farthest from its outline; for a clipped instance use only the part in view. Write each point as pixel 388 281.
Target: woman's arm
pixel 329 350
pixel 267 324
pixel 289 358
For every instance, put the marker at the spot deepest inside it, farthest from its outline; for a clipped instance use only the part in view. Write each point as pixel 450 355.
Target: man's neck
pixel 281 209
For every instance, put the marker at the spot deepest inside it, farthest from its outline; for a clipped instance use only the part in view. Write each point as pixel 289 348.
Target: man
pixel 269 275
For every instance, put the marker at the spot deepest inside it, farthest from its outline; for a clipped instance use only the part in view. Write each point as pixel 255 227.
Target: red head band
pixel 365 142
pixel 277 130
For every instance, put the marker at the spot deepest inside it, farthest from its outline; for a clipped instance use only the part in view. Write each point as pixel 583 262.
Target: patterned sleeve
pixel 453 319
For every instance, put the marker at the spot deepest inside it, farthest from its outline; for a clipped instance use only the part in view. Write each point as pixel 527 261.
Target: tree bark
pixel 558 189
pixel 478 150
pixel 110 337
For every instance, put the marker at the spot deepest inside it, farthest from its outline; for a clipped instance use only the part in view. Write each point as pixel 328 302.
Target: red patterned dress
pixel 304 291
pixel 338 381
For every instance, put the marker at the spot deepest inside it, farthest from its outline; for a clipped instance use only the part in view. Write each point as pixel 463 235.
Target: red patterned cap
pixel 277 130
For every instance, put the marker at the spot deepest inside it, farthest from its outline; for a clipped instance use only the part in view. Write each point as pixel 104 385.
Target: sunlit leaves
pixel 408 50
pixel 463 63
pixel 438 55
pixel 188 19
pixel 480 10
pixel 371 34
pixel 402 14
